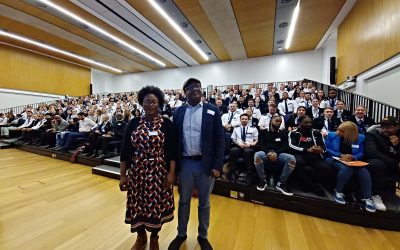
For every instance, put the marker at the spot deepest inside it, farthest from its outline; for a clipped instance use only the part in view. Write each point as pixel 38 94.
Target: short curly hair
pixel 151 90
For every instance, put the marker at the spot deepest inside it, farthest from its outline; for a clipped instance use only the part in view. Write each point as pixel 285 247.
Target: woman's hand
pixel 123 183
pixel 347 157
pixel 170 180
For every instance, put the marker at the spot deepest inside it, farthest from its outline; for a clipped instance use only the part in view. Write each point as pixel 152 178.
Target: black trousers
pixel 379 170
pixel 247 154
pixel 104 141
pixel 311 168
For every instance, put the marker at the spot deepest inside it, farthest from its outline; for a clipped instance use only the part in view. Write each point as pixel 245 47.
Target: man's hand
pixel 215 173
pixel 394 139
pixel 272 156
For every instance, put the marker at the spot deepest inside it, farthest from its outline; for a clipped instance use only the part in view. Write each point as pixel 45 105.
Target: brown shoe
pixel 154 243
pixel 140 243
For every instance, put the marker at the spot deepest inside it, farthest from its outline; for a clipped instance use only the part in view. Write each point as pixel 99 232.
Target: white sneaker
pixel 378 203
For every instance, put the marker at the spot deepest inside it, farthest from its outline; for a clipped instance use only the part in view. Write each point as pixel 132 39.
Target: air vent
pixel 283 25
pixel 41 4
pixel 280 41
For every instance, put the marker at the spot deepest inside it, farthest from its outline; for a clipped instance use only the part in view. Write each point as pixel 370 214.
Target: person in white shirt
pixel 85 126
pixel 301 99
pixel 175 103
pixel 256 111
pixel 331 101
pixel 232 118
pixel 265 119
pixel 5 131
pixel 3 119
pixel 245 139
pixel 287 106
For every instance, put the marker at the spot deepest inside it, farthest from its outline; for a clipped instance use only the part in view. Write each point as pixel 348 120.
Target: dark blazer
pixel 346 114
pixel 212 136
pixel 319 123
pixel 309 112
pixel 368 122
pixel 378 147
pixel 229 101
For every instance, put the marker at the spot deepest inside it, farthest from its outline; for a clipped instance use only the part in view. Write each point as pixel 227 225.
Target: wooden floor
pixel 52 204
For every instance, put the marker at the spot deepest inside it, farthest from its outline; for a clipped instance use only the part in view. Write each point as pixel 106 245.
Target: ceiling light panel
pixel 57 50
pixel 284 13
pixel 69 16
pixel 172 14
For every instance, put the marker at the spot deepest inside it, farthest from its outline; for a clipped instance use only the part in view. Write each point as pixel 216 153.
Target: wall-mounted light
pixel 292 25
pixel 178 28
pixel 54 49
pixel 100 30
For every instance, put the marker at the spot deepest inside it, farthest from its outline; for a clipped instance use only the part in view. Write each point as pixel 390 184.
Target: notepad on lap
pixel 352 163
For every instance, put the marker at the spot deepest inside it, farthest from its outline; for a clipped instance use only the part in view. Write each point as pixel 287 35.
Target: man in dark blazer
pixel 341 112
pixel 362 121
pixel 200 160
pixel 314 111
pixel 326 123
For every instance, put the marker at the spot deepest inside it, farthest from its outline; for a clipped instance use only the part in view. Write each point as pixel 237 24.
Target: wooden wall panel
pixel 369 35
pixel 24 70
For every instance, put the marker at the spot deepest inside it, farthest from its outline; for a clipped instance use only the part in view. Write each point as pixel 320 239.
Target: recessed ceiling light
pixel 54 49
pixel 177 28
pixel 101 31
pixel 198 41
pixel 283 25
pixel 209 53
pixel 184 25
pixel 292 25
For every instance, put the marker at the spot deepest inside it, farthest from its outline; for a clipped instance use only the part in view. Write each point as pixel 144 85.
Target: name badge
pixel 153 133
pixel 355 146
pixel 277 139
pixel 211 112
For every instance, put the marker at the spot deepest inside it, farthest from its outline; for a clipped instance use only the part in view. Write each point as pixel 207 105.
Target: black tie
pixel 243 134
pixel 230 118
pixel 361 126
pixel 339 114
pixel 329 125
pixel 332 103
pixel 307 104
pixel 286 107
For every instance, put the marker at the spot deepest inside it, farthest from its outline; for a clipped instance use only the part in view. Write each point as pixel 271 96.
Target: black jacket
pixel 368 122
pixel 379 147
pixel 273 141
pixel 118 128
pixel 346 115
pixel 309 112
pixel 319 123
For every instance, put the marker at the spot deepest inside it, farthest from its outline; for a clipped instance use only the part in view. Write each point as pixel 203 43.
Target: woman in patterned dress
pixel 148 153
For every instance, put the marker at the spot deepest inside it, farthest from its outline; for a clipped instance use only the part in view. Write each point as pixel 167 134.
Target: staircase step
pixel 107 170
pixel 4 145
pixel 114 161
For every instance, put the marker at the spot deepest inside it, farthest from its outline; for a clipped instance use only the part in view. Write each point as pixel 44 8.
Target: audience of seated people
pixel 290 135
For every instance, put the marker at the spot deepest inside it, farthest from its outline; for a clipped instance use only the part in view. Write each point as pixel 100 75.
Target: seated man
pixel 48 138
pixel 103 128
pixel 265 119
pixel 5 131
pixel 28 134
pixel 116 134
pixel 253 122
pixel 341 113
pixel 287 106
pixel 315 111
pixel 85 126
pixel 362 121
pixel 327 123
pixel 245 139
pixel 308 145
pixel 229 121
pixel 256 112
pixel 331 101
pixel 382 152
pixel 273 159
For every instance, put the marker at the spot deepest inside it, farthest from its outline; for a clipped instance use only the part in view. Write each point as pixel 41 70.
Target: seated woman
pixel 348 145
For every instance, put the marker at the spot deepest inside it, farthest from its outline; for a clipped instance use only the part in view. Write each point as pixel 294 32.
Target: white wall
pixel 100 81
pixel 294 66
pixel 328 50
pixel 381 82
pixel 11 98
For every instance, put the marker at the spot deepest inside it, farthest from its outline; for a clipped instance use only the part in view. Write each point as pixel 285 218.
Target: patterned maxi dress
pixel 149 203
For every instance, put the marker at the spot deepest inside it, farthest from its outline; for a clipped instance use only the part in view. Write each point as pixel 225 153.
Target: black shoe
pixel 204 243
pixel 262 185
pixel 177 243
pixel 283 188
